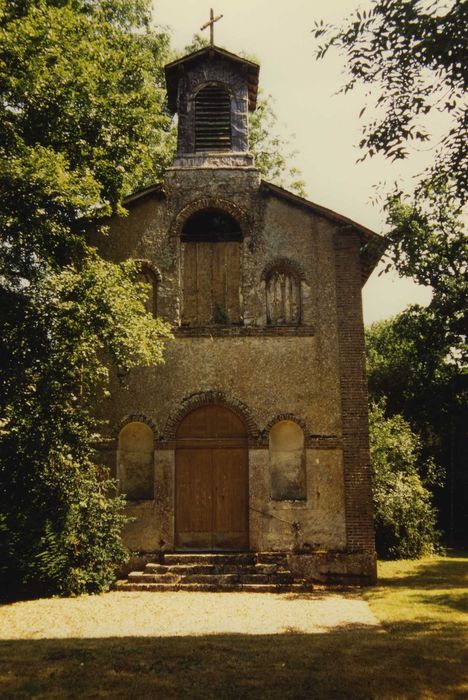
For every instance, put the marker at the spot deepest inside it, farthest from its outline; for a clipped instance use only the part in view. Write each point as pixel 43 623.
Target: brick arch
pixel 143 264
pixel 136 418
pixel 286 416
pixel 224 205
pixel 283 264
pixel 205 398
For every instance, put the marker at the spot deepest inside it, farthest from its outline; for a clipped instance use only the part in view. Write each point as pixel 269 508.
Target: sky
pixel 326 126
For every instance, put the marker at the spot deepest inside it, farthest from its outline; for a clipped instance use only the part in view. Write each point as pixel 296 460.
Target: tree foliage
pixel 410 370
pixel 415 54
pixel 407 362
pixel 81 106
pixel 405 519
pixel 412 55
pixel 274 154
pixel 428 243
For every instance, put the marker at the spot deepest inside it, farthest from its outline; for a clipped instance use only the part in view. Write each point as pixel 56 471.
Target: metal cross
pixel 210 24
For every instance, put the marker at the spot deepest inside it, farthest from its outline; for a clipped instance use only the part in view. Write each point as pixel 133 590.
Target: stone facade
pixel 297 384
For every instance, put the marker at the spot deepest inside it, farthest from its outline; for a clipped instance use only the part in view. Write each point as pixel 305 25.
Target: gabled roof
pixel 157 189
pixel 173 69
pixel 372 245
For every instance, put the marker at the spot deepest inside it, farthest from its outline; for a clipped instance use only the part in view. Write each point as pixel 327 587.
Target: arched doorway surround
pixel 212 481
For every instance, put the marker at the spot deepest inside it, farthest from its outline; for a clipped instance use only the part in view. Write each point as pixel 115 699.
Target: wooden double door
pixel 211 481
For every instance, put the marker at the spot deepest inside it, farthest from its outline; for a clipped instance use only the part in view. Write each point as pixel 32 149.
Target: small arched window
pixel 212 241
pixel 135 466
pixel 213 119
pixel 148 276
pixel 283 296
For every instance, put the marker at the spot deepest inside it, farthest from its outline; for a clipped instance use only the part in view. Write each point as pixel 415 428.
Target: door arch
pixel 212 481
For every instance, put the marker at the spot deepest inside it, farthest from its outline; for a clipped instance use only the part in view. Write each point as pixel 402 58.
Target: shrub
pixel 405 518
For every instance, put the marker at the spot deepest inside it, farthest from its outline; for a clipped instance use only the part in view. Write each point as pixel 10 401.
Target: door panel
pixel 230 493
pixel 212 481
pixel 232 266
pixel 211 289
pixel 194 496
pixel 204 300
pixel 190 309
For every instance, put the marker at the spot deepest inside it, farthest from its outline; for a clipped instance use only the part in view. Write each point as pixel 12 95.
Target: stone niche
pixel 135 460
pixel 287 462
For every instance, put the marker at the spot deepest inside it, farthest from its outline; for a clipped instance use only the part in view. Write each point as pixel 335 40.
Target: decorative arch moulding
pixel 143 264
pixel 286 264
pixel 206 398
pixel 204 203
pixel 136 418
pixel 286 416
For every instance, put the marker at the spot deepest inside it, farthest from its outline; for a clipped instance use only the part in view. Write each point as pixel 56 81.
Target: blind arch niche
pixel 213 118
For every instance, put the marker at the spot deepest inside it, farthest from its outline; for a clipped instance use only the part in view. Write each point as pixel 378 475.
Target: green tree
pixel 405 519
pixel 412 56
pixel 82 118
pixel 410 369
pixel 428 242
pixel 274 154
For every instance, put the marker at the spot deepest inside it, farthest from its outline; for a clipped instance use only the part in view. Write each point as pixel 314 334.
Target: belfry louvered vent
pixel 213 119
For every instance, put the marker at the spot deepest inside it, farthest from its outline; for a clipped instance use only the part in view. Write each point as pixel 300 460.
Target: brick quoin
pixel 354 407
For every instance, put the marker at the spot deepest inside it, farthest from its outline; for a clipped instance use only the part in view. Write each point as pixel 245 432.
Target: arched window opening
pixel 211 269
pixel 213 119
pixel 211 226
pixel 147 276
pixel 283 297
pixel 136 461
pixel 287 462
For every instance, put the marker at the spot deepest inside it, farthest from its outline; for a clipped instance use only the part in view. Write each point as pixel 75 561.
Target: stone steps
pixel 214 588
pixel 263 572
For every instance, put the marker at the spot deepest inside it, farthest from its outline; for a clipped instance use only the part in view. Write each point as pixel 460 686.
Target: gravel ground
pixel 180 613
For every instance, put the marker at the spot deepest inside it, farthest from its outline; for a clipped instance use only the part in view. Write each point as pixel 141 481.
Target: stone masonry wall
pixel 313 372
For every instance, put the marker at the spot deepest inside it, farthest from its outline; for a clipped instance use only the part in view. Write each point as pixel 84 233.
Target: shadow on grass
pixel 452 601
pixel 440 573
pixel 406 663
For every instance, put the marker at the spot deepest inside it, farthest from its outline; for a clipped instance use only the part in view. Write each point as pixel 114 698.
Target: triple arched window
pixel 283 294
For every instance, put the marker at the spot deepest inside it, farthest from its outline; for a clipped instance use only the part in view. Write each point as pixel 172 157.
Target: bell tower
pixel 212 92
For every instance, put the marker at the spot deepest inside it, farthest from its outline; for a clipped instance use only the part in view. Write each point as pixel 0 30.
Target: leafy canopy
pixel 415 53
pixel 412 56
pixel 81 120
pixel 81 116
pixel 405 519
pixel 428 242
pixel 413 374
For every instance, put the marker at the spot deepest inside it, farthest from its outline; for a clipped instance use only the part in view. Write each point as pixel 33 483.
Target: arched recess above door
pixel 203 399
pixel 211 421
pixel 211 203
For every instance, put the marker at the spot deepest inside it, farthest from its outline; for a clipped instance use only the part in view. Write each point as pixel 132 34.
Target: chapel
pixel 252 437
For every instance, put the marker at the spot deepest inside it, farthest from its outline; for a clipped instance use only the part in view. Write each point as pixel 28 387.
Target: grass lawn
pixel 421 652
